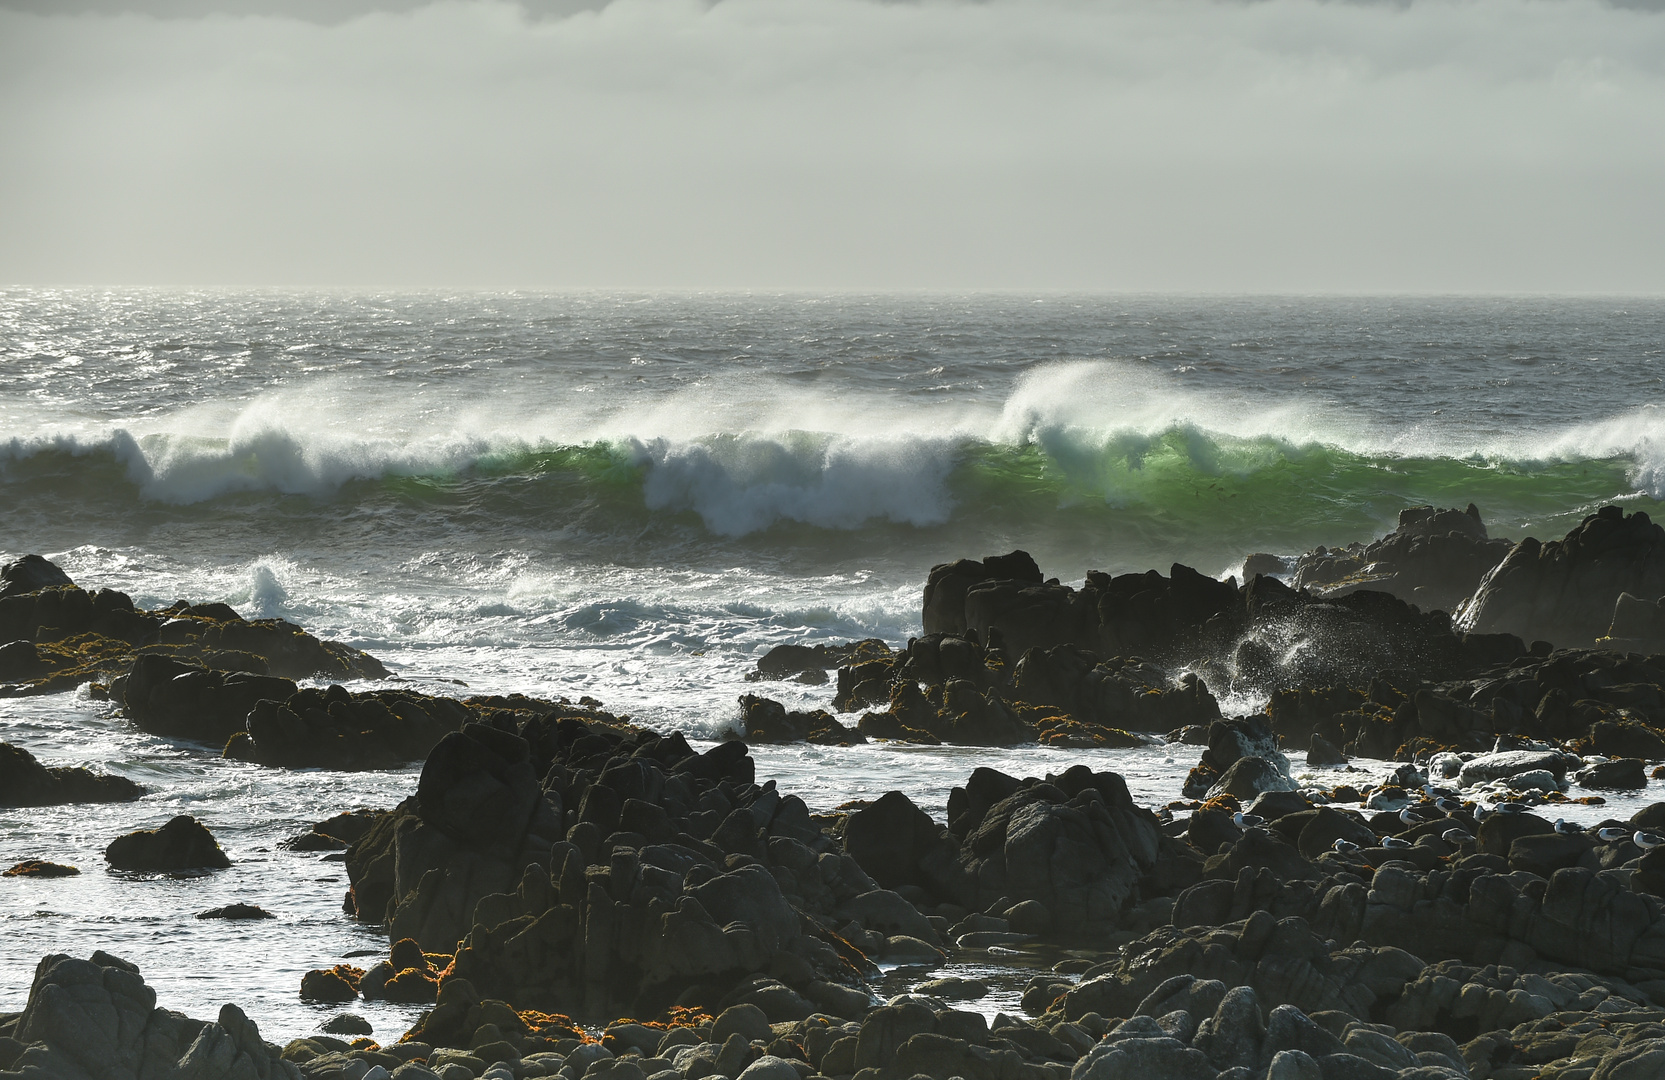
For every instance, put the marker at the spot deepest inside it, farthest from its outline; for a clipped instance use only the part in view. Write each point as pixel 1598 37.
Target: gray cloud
pixel 322 12
pixel 334 12
pixel 1510 145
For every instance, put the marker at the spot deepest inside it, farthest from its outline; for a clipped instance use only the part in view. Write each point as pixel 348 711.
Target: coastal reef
pixel 568 893
pixel 55 636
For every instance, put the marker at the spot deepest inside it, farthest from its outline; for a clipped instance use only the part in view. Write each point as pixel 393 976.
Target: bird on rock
pixel 1247 821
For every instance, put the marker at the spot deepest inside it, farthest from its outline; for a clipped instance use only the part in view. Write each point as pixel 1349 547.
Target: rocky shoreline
pixel 574 895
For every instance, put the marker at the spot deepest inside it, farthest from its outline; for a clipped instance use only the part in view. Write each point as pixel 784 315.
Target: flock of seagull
pixel 1448 807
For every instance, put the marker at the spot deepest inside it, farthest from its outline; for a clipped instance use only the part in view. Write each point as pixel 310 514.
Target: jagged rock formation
pixel 1434 559
pixel 97 1020
pixel 55 636
pixel 1565 591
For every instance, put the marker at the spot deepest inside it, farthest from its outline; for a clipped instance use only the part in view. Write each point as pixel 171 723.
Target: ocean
pixel 633 497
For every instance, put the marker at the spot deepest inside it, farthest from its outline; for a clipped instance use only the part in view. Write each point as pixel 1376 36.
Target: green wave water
pixel 1117 501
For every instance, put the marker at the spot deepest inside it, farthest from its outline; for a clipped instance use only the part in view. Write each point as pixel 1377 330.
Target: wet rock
pixel 1075 843
pixel 1251 776
pixel 31 573
pixel 24 781
pixel 1433 558
pixel 1625 739
pixel 177 698
pixel 181 844
pixel 40 868
pixel 236 911
pixel 1565 591
pixel 947 585
pixel 891 837
pixel 339 983
pixel 1512 762
pixel 1322 752
pixel 96 1018
pixel 346 1024
pixel 766 721
pixel 331 728
pixel 1616 774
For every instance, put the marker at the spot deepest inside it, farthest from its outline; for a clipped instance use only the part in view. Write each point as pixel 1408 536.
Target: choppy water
pixel 634 497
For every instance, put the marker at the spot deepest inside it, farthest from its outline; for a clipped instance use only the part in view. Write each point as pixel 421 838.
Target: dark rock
pixel 1618 773
pixel 1321 752
pixel 946 587
pixel 1625 739
pixel 1076 844
pixel 1545 853
pixel 1249 777
pixel 766 721
pixel 30 574
pixel 182 844
pixel 346 1024
pixel 96 1018
pixel 1565 591
pixel 40 868
pixel 1433 558
pixel 1638 626
pixel 890 837
pixel 1328 825
pixel 236 911
pixel 24 781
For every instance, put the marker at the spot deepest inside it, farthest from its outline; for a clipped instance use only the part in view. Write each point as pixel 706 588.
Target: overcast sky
pixel 1189 145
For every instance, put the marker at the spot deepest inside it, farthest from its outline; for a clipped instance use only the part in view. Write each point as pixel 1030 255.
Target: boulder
pixel 765 721
pixel 1251 776
pixel 182 844
pixel 30 574
pixel 1509 763
pixel 96 1019
pixel 1615 774
pixel 1075 843
pixel 891 837
pixel 236 911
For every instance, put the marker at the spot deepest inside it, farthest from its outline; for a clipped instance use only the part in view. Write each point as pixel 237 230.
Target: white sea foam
pixel 745 461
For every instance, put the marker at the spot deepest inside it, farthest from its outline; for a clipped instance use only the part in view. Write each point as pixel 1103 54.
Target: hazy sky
pixel 1194 145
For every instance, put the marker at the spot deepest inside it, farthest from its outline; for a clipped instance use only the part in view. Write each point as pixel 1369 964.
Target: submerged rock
pixel 40 868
